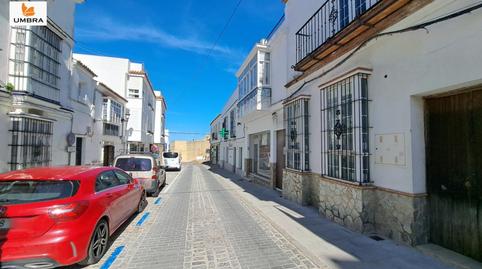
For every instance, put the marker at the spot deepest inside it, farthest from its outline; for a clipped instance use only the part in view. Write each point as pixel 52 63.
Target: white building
pixel 39 67
pixel 86 108
pixel 5 97
pixel 129 80
pixel 381 116
pixel 111 122
pixel 160 122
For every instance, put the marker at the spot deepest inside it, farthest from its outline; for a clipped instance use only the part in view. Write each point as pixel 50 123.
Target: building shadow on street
pixel 343 248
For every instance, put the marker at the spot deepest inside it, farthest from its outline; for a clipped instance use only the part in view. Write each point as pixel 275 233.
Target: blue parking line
pixel 112 258
pixel 143 218
pixel 158 201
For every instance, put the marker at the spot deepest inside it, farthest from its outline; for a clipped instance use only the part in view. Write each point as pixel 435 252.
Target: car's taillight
pixel 154 176
pixel 69 211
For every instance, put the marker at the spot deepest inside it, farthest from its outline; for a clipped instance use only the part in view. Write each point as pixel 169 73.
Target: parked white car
pixel 171 160
pixel 144 167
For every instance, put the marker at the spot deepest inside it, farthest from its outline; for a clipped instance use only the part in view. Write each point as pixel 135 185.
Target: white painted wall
pixel 160 120
pixel 4 40
pixel 88 108
pixel 4 133
pixel 417 64
pixel 114 72
pixel 110 70
pixel 4 98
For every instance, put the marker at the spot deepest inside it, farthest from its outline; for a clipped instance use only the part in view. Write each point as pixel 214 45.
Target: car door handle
pixel 110 195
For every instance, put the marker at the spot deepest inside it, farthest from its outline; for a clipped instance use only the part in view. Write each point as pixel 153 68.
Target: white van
pixel 171 160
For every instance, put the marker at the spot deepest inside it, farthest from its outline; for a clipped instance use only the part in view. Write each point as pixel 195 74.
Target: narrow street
pixel 203 219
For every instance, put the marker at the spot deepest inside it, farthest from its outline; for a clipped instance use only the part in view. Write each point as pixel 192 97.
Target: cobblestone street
pixel 209 218
pixel 199 222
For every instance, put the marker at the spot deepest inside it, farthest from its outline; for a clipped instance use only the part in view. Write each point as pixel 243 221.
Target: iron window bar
pixel 345 129
pixel 296 123
pixel 30 143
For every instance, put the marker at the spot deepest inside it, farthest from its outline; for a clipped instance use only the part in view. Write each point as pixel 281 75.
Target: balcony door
pixel 349 10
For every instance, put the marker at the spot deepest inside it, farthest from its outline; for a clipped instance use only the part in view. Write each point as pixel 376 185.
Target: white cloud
pixel 107 30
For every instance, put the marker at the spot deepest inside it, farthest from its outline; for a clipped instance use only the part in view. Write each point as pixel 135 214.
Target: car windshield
pixel 27 191
pixel 134 164
pixel 170 154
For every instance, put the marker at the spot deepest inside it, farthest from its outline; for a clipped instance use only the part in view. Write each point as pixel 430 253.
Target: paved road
pixel 200 222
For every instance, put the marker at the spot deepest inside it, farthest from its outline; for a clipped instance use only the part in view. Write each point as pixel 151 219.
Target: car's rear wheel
pixel 142 203
pixel 157 191
pixel 99 243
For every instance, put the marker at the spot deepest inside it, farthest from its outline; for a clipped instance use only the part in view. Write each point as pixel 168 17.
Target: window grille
pixel 31 143
pixel 296 115
pixel 345 129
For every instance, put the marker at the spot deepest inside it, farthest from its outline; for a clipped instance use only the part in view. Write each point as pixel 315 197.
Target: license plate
pixel 4 224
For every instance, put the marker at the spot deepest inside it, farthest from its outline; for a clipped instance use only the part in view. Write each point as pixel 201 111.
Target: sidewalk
pixel 328 244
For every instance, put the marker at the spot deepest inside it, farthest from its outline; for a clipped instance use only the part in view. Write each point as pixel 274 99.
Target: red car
pixel 60 216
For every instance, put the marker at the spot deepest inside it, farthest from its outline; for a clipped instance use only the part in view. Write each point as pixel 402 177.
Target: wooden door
pixel 280 158
pixel 454 171
pixel 108 155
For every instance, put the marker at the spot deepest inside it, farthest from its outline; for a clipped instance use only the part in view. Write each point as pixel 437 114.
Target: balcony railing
pixel 332 17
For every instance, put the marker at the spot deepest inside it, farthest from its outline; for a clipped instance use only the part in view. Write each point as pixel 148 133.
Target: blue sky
pixel 173 39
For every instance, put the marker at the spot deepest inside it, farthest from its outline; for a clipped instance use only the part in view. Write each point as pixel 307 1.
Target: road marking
pixel 112 258
pixel 143 218
pixel 158 201
pixel 172 183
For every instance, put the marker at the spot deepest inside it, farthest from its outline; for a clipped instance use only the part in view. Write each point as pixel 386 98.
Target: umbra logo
pixel 26 13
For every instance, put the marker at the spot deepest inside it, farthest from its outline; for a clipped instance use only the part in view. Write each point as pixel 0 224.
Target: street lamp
pixel 127 115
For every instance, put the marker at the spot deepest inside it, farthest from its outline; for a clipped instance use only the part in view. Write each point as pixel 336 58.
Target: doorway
pixel 108 155
pixel 78 150
pixel 234 159
pixel 454 171
pixel 280 158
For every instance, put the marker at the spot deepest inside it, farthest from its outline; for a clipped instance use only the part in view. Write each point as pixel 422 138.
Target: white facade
pixel 5 100
pixel 356 124
pixel 397 84
pixel 160 122
pixel 111 121
pixel 129 80
pixel 87 108
pixel 39 103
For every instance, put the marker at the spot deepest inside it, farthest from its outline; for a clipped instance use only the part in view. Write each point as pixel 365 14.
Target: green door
pixel 454 171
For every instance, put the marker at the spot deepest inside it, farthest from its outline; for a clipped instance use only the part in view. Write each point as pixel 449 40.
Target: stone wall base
pixel 366 209
pixel 297 187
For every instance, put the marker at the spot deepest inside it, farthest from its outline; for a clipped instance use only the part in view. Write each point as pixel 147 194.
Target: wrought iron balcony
pixel 340 25
pixel 332 17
